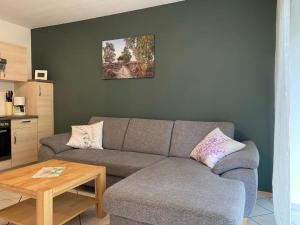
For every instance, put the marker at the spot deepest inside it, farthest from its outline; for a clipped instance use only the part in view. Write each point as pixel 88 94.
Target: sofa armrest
pixel 247 158
pixel 249 178
pixel 45 153
pixel 57 143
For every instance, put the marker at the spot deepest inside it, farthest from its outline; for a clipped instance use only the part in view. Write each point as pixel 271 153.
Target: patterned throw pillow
pixel 87 136
pixel 214 147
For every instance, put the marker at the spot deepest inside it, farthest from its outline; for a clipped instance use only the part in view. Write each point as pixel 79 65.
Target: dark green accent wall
pixel 214 62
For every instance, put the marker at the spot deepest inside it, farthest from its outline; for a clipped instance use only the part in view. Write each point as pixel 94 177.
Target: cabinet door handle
pixel 40 91
pixel 4 70
pixel 26 121
pixel 15 139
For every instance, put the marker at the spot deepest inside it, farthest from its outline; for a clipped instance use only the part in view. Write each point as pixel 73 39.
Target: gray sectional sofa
pixel 152 180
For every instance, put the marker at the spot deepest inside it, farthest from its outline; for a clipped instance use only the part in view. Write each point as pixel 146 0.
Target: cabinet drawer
pixel 26 123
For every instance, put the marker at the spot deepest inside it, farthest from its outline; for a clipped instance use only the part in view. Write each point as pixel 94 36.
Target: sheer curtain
pixel 281 170
pixel 295 110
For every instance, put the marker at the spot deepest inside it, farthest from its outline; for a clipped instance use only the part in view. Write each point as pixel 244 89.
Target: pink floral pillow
pixel 214 147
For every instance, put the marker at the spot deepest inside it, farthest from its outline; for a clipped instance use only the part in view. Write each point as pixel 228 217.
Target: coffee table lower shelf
pixel 65 207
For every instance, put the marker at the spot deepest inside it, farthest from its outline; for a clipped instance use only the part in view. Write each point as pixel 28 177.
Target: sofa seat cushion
pixel 177 191
pixel 126 163
pixel 89 156
pixel 117 163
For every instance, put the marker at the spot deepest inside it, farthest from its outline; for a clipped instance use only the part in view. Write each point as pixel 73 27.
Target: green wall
pixel 214 62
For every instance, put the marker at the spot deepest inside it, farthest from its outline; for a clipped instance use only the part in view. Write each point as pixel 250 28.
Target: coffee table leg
pixel 44 208
pixel 100 186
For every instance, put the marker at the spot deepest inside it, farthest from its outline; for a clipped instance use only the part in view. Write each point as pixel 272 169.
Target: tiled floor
pixel 263 212
pixel 261 215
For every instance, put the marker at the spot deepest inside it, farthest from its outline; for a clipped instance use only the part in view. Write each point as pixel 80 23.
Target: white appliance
pixel 2 103
pixel 19 106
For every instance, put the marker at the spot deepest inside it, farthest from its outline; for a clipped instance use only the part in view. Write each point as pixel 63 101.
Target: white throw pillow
pixel 87 136
pixel 214 147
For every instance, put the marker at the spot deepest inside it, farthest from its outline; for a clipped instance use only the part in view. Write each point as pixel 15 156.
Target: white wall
pixel 18 35
pixel 295 102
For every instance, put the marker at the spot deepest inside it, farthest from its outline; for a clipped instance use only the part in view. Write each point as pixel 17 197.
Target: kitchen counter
pixel 18 117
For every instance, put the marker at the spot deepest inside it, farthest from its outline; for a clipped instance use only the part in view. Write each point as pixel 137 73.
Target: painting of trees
pixel 142 47
pixel 143 50
pixel 131 57
pixel 109 52
pixel 126 55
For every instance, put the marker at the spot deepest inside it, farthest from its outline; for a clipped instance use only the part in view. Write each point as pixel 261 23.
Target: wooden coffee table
pixel 50 202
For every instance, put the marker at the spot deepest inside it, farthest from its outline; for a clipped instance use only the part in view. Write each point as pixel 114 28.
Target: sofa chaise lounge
pixel 152 180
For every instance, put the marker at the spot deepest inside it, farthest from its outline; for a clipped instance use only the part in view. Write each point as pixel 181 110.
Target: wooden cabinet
pixel 45 110
pixel 24 142
pixel 39 101
pixel 16 68
pixel 4 165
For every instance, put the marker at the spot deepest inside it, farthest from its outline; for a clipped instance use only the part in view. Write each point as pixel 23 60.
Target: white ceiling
pixel 40 13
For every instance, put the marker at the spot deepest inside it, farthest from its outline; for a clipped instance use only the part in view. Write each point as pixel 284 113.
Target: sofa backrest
pixel 148 136
pixel 161 137
pixel 187 134
pixel 114 130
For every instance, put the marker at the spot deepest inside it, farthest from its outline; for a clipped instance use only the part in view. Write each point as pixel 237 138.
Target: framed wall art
pixel 128 58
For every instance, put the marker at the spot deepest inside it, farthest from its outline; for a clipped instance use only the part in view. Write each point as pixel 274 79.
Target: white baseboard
pixel 263 194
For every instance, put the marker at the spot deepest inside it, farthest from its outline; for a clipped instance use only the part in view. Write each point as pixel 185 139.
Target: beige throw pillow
pixel 214 147
pixel 87 136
